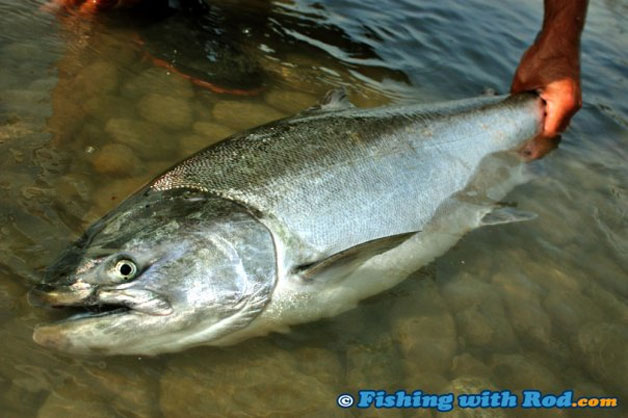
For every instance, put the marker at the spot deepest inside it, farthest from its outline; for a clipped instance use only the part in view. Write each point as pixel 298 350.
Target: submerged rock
pixel 480 315
pixel 428 382
pixel 550 275
pixel 160 81
pixel 518 372
pixel 321 364
pixel 116 160
pixel 604 354
pixel 11 294
pixel 612 303
pixel 106 106
pixel 101 77
pixel 24 382
pixel 56 406
pixel 374 365
pixel 68 116
pixel 212 131
pixel 464 291
pixel 570 309
pixel 290 101
pixel 206 134
pixel 523 302
pixel 147 139
pixel 244 115
pixel 128 386
pixel 424 330
pixel 112 194
pixel 17 401
pixel 89 137
pixel 192 143
pixel 242 381
pixel 472 385
pixel 467 365
pixel 475 326
pixel 166 111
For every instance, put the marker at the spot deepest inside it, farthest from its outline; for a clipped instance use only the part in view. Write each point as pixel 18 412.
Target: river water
pixel 86 117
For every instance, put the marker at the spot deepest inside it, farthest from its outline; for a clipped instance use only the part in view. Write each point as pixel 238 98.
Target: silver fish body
pixel 286 223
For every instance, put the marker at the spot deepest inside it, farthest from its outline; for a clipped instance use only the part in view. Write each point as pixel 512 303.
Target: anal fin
pixel 506 215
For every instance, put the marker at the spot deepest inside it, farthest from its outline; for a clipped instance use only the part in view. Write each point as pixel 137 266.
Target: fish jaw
pixel 109 315
pixel 69 336
pixel 112 333
pixel 46 295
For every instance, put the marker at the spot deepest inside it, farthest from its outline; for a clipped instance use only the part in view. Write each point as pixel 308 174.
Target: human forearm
pixel 552 64
pixel 560 35
pixel 566 16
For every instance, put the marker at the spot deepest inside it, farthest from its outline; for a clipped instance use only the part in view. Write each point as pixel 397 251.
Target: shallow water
pixel 541 304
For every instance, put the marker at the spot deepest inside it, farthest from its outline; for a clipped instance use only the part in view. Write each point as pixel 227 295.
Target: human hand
pixel 551 66
pixel 87 7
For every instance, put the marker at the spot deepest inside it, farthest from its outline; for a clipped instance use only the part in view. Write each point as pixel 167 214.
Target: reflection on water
pixel 86 118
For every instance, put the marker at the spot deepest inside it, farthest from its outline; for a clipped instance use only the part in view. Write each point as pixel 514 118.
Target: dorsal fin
pixel 334 99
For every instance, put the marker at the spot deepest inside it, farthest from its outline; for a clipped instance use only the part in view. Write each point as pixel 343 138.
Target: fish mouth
pixel 76 333
pixel 77 313
pixel 95 320
pixel 73 304
pixel 87 302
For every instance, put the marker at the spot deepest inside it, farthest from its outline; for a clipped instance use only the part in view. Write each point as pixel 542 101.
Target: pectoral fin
pixel 342 263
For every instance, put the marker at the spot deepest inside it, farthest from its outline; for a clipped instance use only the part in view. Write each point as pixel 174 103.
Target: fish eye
pixel 125 269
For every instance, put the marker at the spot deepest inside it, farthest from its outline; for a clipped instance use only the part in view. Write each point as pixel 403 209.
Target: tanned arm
pixel 551 65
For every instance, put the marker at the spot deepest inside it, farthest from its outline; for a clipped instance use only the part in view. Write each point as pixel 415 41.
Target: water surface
pixel 541 304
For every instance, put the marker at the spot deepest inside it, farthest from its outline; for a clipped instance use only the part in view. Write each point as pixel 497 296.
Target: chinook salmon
pixel 289 222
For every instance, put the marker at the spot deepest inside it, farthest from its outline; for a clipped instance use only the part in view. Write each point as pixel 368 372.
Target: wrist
pixel 553 45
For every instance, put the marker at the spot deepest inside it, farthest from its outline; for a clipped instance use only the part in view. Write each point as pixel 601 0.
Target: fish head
pixel 162 272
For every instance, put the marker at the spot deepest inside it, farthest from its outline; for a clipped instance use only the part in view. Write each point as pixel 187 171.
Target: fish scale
pixel 334 178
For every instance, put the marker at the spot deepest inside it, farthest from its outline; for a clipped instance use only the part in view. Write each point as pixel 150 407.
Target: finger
pixel 538 146
pixel 553 117
pixel 564 99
